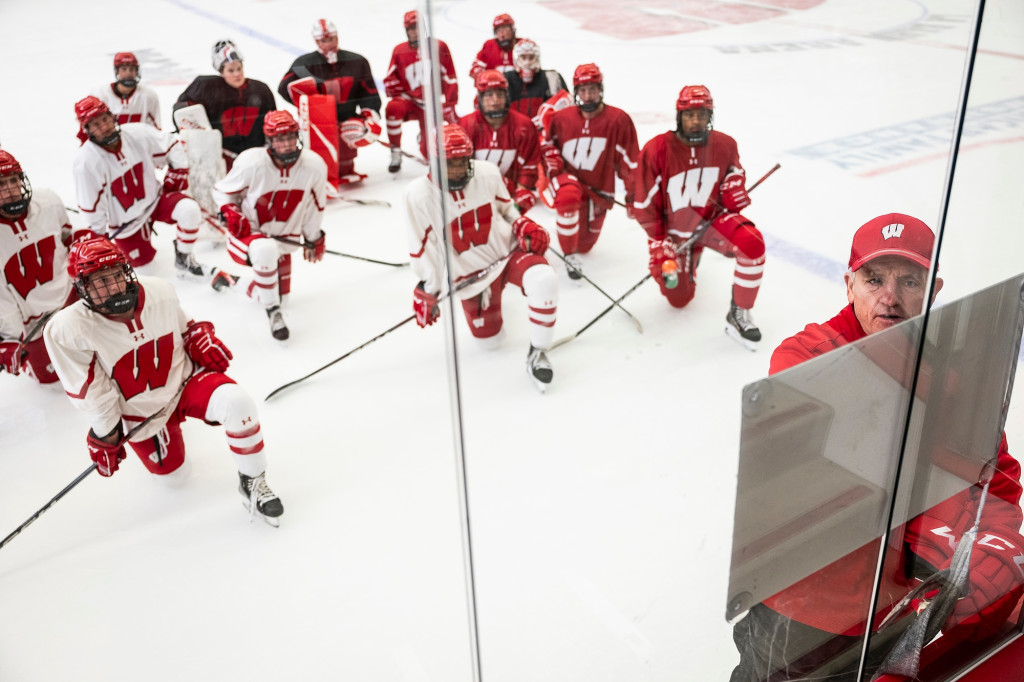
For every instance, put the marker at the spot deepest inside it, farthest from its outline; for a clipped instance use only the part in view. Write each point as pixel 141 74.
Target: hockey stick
pixel 461 285
pixel 344 255
pixel 604 293
pixel 406 154
pixel 81 477
pixel 365 202
pixel 697 234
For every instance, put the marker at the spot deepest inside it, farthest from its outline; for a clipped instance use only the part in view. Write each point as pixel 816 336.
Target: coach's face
pixel 887 291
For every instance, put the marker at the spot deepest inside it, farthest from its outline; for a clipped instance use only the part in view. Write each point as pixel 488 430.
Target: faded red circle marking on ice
pixel 654 18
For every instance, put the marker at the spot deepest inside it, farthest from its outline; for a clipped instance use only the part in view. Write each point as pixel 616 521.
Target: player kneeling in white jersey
pixel 128 355
pixel 491 245
pixel 271 198
pixel 118 192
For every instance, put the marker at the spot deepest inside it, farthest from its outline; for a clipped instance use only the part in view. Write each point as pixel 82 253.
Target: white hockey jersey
pixel 114 369
pixel 142 106
pixel 279 202
pixel 480 229
pixel 117 191
pixel 34 260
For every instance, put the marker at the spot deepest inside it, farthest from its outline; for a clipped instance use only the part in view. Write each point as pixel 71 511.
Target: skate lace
pixel 743 319
pixel 259 493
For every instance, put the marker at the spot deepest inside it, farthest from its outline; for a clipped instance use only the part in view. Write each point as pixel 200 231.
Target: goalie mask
pixel 104 129
pixel 102 276
pixel 492 80
pixel 15 189
pixel 282 134
pixel 505 31
pixel 526 58
pixel 458 155
pixel 224 51
pixel 126 59
pixel 588 75
pixel 695 115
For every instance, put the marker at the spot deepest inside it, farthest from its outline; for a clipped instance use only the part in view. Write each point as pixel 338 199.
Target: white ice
pixel 601 512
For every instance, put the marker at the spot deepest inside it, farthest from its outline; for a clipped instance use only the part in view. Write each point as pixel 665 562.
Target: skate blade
pixel 274 521
pixel 733 334
pixel 541 386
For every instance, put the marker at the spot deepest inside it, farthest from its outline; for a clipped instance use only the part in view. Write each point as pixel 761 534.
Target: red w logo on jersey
pixel 583 153
pixel 130 187
pixel 471 228
pixel 31 266
pixel 146 367
pixel 239 120
pixel 692 188
pixel 278 206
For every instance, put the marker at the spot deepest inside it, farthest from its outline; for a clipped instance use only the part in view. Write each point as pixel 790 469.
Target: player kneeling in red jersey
pixel 491 246
pixel 127 352
pixel 691 179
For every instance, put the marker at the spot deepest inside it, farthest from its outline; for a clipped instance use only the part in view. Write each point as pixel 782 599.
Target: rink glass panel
pixel 583 508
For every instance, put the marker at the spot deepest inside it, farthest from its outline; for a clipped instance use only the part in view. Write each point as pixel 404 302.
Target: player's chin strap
pixel 475 277
pixel 81 477
pixel 950 583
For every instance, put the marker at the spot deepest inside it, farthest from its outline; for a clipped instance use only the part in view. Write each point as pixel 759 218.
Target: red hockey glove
pixel 204 348
pixel 11 354
pixel 106 455
pixel 237 224
pixel 313 251
pixel 448 113
pixel 553 164
pixel 424 304
pixel 995 584
pixel 663 264
pixel 176 180
pixel 525 199
pixel 734 194
pixel 532 237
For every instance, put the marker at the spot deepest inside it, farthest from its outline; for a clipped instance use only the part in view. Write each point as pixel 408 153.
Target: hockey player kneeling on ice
pixel 492 245
pixel 270 200
pixel 126 351
pixel 690 179
pixel 118 192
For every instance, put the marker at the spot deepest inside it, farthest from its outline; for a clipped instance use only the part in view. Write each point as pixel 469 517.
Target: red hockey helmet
pixel 125 59
pixel 491 79
pixel 587 73
pixel 691 98
pixel 695 97
pixel 89 108
pixel 9 167
pixel 90 256
pixel 410 19
pixel 277 124
pixel 504 20
pixel 324 28
pixel 458 154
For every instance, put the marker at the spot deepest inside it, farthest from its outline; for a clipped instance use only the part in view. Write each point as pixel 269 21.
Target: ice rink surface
pixel 601 512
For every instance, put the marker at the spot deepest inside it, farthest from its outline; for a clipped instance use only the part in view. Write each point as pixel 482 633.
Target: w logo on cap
pixel 892 230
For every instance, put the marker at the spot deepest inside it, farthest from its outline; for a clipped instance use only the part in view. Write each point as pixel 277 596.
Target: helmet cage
pixel 127 59
pixel 9 167
pixel 89 257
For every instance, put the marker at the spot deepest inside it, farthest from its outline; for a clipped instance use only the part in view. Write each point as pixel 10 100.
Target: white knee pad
pixel 540 283
pixel 187 214
pixel 263 254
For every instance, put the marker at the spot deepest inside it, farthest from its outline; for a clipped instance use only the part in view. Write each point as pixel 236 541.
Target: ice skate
pixel 278 329
pixel 539 368
pixel 396 160
pixel 187 267
pixel 741 327
pixel 574 266
pixel 258 498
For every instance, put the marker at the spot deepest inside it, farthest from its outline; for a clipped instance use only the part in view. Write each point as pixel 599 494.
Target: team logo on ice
pixel 893 230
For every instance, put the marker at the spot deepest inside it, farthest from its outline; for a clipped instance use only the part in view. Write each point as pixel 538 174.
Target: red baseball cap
pixel 892 234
